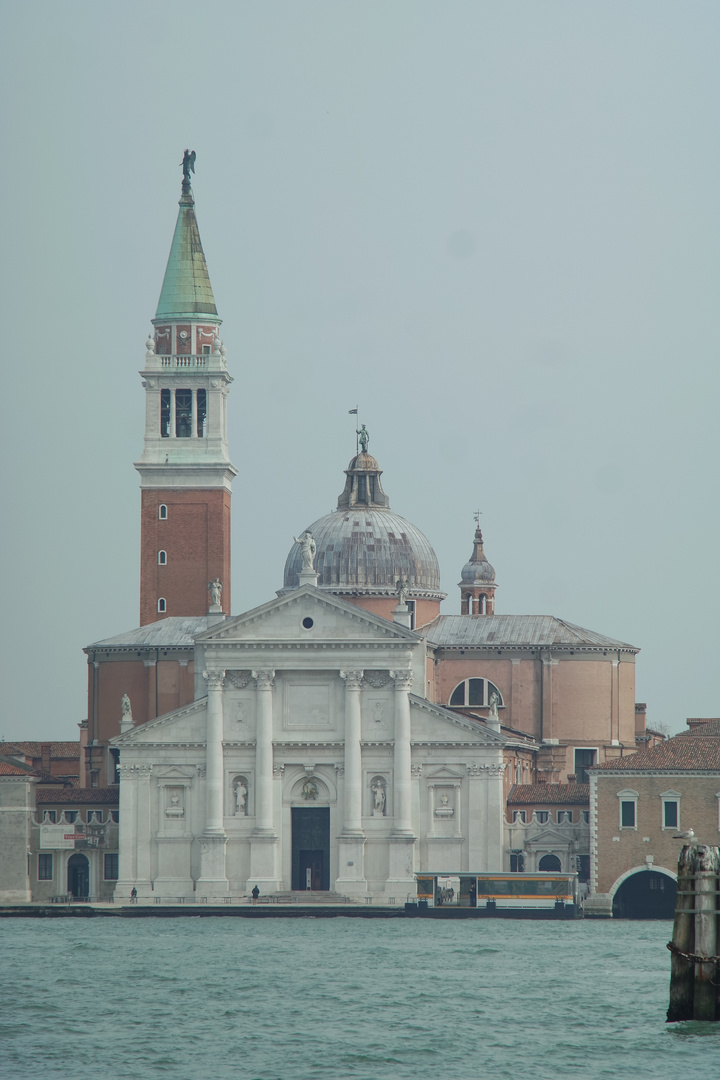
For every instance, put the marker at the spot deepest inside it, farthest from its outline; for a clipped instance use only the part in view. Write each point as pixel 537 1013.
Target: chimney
pixel 45 757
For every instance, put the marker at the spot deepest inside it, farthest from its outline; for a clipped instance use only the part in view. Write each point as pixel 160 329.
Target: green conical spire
pixel 186 290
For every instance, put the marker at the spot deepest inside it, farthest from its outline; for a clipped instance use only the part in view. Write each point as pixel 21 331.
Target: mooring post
pixel 682 972
pixel 706 876
pixel 693 986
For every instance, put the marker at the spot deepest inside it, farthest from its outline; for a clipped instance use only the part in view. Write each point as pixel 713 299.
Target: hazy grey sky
pixel 494 226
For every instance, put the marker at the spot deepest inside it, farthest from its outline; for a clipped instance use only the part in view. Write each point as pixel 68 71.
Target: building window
pixel 628 808
pixel 71 816
pixel 519 815
pixel 162 558
pixel 165 413
pixel 51 815
pixel 586 817
pixel 517 862
pixel 45 867
pixel 205 350
pixel 670 809
pixel 585 758
pixel 162 512
pixel 110 869
pixel 162 606
pixel 115 815
pixel 201 413
pixel 475 693
pixel 542 816
pixel 564 815
pixel 411 609
pixel 183 414
pixel 114 765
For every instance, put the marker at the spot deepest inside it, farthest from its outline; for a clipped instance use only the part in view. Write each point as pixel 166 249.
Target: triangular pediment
pixel 173 773
pixel 181 726
pixel 306 615
pixel 547 837
pixel 443 726
pixel 443 773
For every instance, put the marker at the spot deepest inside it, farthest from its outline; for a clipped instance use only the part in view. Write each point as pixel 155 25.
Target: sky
pixel 493 227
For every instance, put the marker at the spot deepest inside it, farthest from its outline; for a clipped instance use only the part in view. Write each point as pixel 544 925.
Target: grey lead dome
pixel 363 547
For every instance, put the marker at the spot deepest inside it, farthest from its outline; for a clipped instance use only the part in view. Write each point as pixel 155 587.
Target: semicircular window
pixel 475 693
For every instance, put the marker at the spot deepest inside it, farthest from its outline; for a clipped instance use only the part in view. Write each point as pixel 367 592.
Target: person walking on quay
pixel 255 894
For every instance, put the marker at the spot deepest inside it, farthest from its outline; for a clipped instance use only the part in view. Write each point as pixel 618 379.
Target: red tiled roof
pixel 703 727
pixel 6 769
pixel 563 794
pixel 78 796
pixel 34 749
pixel 696 753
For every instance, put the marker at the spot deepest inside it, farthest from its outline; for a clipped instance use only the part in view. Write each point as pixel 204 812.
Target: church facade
pixel 346 735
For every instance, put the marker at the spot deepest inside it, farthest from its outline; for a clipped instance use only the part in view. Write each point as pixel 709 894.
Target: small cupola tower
pixel 185 468
pixel 477 584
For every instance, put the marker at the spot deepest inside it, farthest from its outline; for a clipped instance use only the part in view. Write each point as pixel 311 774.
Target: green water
pixel 299 999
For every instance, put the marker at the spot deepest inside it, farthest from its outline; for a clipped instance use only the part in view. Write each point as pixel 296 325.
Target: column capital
pixel 353 679
pixel 403 679
pixel 264 679
pixel 214 679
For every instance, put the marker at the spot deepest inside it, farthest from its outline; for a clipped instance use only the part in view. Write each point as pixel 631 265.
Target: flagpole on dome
pixel 354 412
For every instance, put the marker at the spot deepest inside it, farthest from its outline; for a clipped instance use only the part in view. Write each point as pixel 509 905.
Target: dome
pixel 365 550
pixel 363 547
pixel 478 570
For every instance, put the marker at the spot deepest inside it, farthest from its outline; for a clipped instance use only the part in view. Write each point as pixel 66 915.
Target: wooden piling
pixel 706 883
pixel 683 941
pixel 694 964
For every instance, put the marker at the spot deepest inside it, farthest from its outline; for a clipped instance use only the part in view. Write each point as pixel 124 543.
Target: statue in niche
pixel 494 702
pixel 308 547
pixel 401 588
pixel 378 789
pixel 215 588
pixel 126 708
pixel 241 791
pixel 310 790
pixel 174 807
pixel 443 808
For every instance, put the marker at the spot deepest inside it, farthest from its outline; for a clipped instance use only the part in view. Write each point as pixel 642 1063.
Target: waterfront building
pixel 639 806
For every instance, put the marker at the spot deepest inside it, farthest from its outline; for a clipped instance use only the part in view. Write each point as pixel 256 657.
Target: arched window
pixel 550 863
pixel 162 558
pixel 162 512
pixel 162 606
pixel 475 693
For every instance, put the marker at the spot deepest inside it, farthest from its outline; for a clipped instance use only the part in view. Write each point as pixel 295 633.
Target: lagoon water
pixel 307 999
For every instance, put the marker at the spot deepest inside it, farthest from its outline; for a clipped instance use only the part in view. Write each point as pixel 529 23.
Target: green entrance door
pixel 311 848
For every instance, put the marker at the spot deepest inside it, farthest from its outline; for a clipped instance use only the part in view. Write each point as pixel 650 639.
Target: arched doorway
pixel 78 876
pixel 647 894
pixel 550 863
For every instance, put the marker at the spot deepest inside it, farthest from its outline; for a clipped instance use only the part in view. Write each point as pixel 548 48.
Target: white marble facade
pixel 312 759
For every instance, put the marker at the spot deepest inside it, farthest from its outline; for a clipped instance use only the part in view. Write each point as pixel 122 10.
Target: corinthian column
pixel 402 756
pixel 214 755
pixel 264 752
pixel 353 768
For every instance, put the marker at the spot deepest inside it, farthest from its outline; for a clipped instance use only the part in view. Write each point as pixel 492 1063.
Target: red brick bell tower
pixel 185 470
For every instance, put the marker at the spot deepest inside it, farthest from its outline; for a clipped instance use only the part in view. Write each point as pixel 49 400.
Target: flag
pixel 350 411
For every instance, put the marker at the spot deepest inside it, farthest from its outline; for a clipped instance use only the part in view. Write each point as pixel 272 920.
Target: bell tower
pixel 185 469
pixel 477 585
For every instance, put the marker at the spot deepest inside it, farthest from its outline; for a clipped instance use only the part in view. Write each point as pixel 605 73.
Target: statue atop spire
pixel 188 166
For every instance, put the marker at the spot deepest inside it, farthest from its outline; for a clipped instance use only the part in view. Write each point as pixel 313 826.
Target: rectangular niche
pixel 306 705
